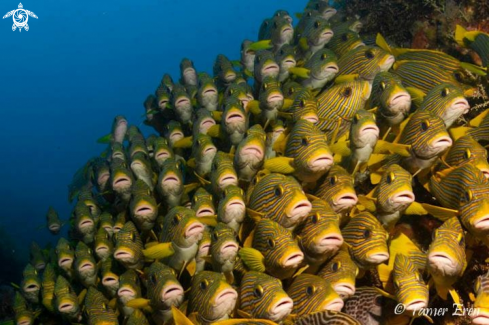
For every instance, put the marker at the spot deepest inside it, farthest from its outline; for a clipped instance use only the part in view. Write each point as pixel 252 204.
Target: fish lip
pixel 162 103
pixel 445 259
pixel 227 180
pixel 235 117
pixel 65 307
pixel 126 292
pixel 210 149
pixel 461 105
pixel 162 155
pixel 24 322
pixel 86 266
pixel 207 123
pixel 86 223
pixel 270 68
pixel 205 212
pixel 123 255
pixel 54 227
pixel 102 248
pixel 485 172
pixel 400 98
pixel 370 128
pixel 294 259
pixel 121 182
pixel 275 98
pixel 282 308
pixel 65 261
pixel 482 317
pixel 194 229
pixel 170 179
pixel 345 290
pixel 389 61
pixel 230 76
pixel 229 248
pixel 335 305
pixel 482 223
pixel 377 258
pixel 109 280
pixel 235 203
pixel 226 296
pixel 31 288
pixel 313 118
pixel 326 35
pixel 346 201
pixel 175 136
pixel 404 197
pixel 287 29
pixel 254 150
pixel 332 68
pixel 290 62
pixel 301 209
pixel 204 249
pixel 144 210
pixel 442 142
pixel 321 163
pixel 334 240
pixel 172 292
pixel 210 90
pixel 182 101
pixel 416 305
pixel 40 266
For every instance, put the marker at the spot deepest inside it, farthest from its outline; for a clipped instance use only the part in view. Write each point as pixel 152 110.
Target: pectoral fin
pixel 253 259
pixel 159 251
pixel 283 165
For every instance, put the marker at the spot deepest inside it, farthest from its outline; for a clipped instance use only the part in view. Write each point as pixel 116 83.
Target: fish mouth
pixel 205 212
pixel 313 118
pixel 230 76
pixel 294 259
pixel 162 103
pixel 388 62
pixel 87 266
pixel 66 307
pixel 227 180
pixel 442 142
pixel 162 155
pixel 126 292
pixel 209 91
pixel 65 262
pixel 253 150
pixel 123 255
pixel 102 249
pixel 326 35
pixel 345 290
pixel 40 266
pixel 270 68
pixel 121 182
pixel 102 179
pixel 377 258
pixel 301 209
pixel 172 292
pixel 87 223
pixel 226 296
pixel 346 201
pixel 204 250
pixel 209 150
pixel 234 118
pixel 194 229
pixel 331 68
pixel 275 98
pixel 335 305
pixel 401 99
pixel 287 30
pixel 481 317
pixel 321 163
pixel 31 288
pixel 282 308
pixel 356 26
pixel 117 228
pixel 461 105
pixel 229 248
pixel 404 197
pixel 182 101
pixel 482 223
pixel 416 305
pixel 25 320
pixel 110 280
pixel 371 129
pixel 331 241
pixel 441 260
pixel 290 62
pixel 54 227
pixel 175 136
pixel 118 155
pixel 171 180
pixel 328 13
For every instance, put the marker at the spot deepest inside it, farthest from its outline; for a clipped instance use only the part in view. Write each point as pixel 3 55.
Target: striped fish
pixel 307 145
pixel 476 40
pixel 211 297
pixel 137 318
pixel 285 57
pixel 202 203
pixel 367 240
pixel 424 75
pixel 250 153
pixel 84 223
pixel 460 185
pixel 327 317
pixel 129 248
pixel 341 272
pixel 121 179
pixel 234 121
pixel 224 249
pixel 203 121
pixel 281 199
pixel 410 289
pixel 262 296
pixel 474 218
pixel 85 265
pixel 65 300
pixel 365 61
pixel 311 293
pixel 281 32
pixel 141 167
pixel 344 42
pixel 446 256
pixel 446 101
pixel 23 315
pixel 203 153
pixel 129 289
pixel 109 270
pixel 173 132
pixel 241 92
pixel 337 189
pixel 320 69
pixel 316 34
pixel 223 173
pixel 223 71
pixel 265 65
pixel 30 284
pixel 391 98
pixel 482 300
pixel 427 135
pixel 247 57
pixel 270 100
pixel 97 310
pixel 207 95
pixel 467 150
pixel 47 287
pixel 104 248
pixel 203 251
pixel 232 208
pixel 366 306
pixel 394 195
pixel 37 258
pixel 304 106
pixel 188 74
pixel 65 255
pixel 338 105
pixel 143 206
pixel 181 104
pixel 170 186
pixel 319 234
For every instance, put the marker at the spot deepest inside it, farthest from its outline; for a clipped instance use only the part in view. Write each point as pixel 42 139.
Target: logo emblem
pixel 20 17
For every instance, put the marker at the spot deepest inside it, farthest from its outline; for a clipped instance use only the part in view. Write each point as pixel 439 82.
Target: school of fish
pixel 287 187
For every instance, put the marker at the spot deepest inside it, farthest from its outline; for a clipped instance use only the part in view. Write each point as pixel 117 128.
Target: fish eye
pixel 458 76
pixel 275 24
pixel 467 154
pixel 215 237
pixel 356 118
pixel 468 195
pixel 279 190
pixel 133 237
pixel 344 37
pixel 271 243
pixel 390 178
pixel 317 24
pixel 333 180
pixel 316 6
pixel 291 90
pixel 396 284
pixel 461 240
pixel 281 52
pixel 324 56
pixel 258 291
pixel 310 290
pixel 336 266
pixel 104 306
pixel 315 217
pixel 366 233
pixel 258 58
pixel 153 279
pixel 204 284
pixel 176 220
pixel 379 300
pixel 425 125
pixel 302 103
pixel 304 141
pixel 346 92
pixel 383 85
pixel 369 54
pixel 445 92
pixel 265 85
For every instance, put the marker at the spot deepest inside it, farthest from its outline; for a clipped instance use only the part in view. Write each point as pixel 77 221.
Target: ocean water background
pixel 81 64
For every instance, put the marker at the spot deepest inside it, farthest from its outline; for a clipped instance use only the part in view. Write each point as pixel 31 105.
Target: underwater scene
pixel 255 162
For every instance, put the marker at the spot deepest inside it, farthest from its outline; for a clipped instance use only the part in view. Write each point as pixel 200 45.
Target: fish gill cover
pixel 304 146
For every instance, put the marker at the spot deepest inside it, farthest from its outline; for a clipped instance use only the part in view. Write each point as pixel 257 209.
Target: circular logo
pixel 20 17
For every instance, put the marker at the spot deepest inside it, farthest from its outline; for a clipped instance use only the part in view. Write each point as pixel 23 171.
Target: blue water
pixel 79 65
